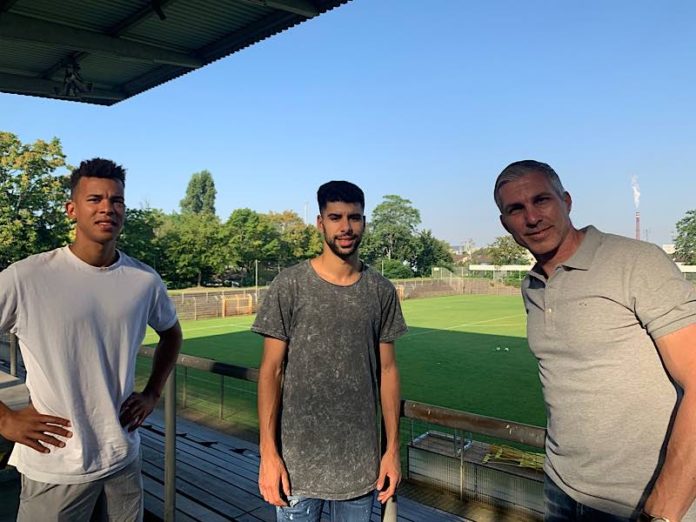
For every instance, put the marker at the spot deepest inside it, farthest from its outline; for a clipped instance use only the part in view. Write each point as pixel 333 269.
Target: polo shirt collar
pixel 583 256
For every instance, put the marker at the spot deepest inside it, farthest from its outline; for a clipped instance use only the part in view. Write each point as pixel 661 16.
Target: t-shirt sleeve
pixel 8 299
pixel 393 325
pixel 664 301
pixel 275 311
pixel 162 314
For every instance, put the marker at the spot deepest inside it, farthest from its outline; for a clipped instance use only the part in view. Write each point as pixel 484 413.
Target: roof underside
pixel 104 52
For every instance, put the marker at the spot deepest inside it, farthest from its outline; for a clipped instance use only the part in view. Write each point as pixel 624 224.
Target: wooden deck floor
pixel 217 478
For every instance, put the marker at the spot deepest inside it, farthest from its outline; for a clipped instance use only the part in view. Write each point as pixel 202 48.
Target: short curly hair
pixel 97 168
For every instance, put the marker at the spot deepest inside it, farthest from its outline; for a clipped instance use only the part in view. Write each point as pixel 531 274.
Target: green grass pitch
pixel 463 352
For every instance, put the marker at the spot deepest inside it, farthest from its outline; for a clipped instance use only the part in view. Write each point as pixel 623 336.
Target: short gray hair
pixel 518 169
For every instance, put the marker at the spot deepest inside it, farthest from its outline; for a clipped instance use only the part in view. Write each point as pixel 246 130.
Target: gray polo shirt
pixel 609 400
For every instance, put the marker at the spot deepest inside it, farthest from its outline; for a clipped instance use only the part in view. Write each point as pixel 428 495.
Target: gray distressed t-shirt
pixel 328 418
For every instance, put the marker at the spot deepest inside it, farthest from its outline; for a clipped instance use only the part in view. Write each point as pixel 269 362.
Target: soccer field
pixel 465 352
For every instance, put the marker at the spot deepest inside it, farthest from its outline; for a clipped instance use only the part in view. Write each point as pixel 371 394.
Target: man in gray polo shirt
pixel 612 323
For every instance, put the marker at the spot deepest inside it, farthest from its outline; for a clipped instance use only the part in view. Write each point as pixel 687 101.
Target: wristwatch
pixel 646 517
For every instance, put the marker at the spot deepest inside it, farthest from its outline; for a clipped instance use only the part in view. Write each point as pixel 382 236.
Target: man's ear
pixel 502 222
pixel 568 200
pixel 70 210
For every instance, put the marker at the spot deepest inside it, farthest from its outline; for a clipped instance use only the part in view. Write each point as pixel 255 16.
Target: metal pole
pixel 170 449
pixel 256 281
pixel 222 395
pixel 461 471
pixel 183 389
pixel 13 355
pixel 389 507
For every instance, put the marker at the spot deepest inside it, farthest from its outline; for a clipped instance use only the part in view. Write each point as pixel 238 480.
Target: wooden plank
pixel 197 494
pixel 232 462
pixel 223 464
pixel 232 494
pixel 202 432
pixel 183 504
pixel 223 468
pixel 154 510
pixel 266 513
pixel 417 512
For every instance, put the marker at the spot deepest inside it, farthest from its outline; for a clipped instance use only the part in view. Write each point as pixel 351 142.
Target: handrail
pixel 465 421
pixel 490 426
pixel 499 428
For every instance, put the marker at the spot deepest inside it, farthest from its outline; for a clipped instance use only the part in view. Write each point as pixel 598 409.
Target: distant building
pixel 669 249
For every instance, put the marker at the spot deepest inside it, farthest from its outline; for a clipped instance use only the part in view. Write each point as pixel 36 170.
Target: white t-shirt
pixel 79 329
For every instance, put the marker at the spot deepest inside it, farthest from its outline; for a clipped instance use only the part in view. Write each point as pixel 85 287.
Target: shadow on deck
pixel 217 478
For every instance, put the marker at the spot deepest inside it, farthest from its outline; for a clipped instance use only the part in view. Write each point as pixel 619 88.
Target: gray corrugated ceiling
pixel 104 52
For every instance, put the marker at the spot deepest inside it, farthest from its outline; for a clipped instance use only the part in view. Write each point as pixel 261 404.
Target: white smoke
pixel 636 191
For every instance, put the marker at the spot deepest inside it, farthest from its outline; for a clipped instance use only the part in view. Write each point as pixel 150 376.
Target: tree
pixel 251 237
pixel 193 247
pixel 504 251
pixel 685 242
pixel 298 241
pixel 200 194
pixel 393 226
pixel 140 238
pixel 393 269
pixel 32 198
pixel 430 252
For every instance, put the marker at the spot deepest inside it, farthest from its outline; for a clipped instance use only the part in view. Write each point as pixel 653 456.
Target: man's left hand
pixel 389 475
pixel 136 409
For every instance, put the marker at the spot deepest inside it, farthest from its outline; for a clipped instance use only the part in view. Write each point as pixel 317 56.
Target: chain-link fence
pixel 212 303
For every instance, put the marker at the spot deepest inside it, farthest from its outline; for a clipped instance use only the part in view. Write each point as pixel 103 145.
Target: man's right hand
pixel 33 429
pixel 273 478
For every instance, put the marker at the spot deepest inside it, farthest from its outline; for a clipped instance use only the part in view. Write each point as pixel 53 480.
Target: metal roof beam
pixel 40 87
pixel 233 42
pixel 124 25
pixel 24 28
pixel 6 5
pixel 301 7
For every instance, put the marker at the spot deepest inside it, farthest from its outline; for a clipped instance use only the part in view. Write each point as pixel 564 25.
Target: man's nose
pixel 532 216
pixel 107 206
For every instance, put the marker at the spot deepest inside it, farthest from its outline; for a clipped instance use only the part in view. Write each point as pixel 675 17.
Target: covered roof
pixel 104 52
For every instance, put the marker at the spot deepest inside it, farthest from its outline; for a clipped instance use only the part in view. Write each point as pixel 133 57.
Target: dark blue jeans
pixel 559 507
pixel 301 509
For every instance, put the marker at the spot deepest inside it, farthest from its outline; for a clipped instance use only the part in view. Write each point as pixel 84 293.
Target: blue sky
pixel 425 100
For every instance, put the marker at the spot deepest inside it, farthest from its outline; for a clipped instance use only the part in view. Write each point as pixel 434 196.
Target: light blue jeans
pixel 302 509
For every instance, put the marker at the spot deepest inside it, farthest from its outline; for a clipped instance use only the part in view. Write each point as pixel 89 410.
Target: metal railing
pixel 510 431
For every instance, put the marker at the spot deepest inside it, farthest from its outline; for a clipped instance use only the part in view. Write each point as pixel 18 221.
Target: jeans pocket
pixel 293 500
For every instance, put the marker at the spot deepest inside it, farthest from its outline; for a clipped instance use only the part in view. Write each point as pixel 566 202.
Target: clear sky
pixel 427 100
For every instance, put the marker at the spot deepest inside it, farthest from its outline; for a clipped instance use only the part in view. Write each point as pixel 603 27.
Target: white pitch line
pixel 432 330
pixel 234 326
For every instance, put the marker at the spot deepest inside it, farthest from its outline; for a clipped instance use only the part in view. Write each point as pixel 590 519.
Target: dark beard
pixel 343 254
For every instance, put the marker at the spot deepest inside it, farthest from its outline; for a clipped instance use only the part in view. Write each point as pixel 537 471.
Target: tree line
pixel 194 246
